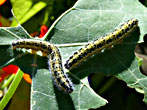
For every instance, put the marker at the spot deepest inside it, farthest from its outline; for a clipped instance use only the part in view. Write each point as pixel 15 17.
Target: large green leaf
pixel 85 21
pixel 44 96
pixel 89 20
pixel 42 86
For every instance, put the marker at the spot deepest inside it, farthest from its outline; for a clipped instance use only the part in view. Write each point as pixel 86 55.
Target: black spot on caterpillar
pixel 99 44
pixel 55 62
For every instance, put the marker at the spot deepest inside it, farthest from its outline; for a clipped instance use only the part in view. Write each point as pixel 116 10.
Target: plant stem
pixel 8 81
pixel 11 89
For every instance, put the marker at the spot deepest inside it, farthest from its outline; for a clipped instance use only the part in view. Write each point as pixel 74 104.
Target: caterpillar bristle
pixel 55 62
pixel 99 44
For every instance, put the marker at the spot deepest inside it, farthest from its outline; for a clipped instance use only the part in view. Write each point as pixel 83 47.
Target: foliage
pixel 84 22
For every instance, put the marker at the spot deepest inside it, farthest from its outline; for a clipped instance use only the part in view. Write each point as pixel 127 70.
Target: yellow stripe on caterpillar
pixel 99 44
pixel 55 62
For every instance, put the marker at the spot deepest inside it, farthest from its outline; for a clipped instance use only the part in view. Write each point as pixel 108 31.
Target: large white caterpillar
pixel 55 61
pixel 99 44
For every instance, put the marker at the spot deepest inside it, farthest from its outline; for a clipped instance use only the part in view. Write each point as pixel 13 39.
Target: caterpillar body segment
pixel 99 44
pixel 55 62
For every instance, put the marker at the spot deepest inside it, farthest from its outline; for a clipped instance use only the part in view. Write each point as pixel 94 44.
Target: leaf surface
pixel 84 22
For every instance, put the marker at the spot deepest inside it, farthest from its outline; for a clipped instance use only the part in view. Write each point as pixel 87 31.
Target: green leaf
pixel 31 14
pixel 27 10
pixel 45 96
pixel 31 11
pixel 84 22
pixel 42 77
pixel 89 20
pixel 7 35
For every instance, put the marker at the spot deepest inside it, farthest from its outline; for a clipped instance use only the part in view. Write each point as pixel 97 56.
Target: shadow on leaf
pixel 111 61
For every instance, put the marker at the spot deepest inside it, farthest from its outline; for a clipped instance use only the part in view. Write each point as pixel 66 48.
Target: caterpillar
pixel 55 61
pixel 99 44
